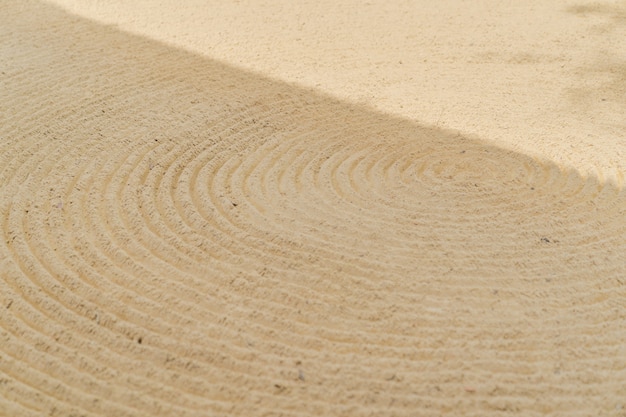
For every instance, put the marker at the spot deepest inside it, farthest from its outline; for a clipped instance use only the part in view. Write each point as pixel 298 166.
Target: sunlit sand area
pixel 312 208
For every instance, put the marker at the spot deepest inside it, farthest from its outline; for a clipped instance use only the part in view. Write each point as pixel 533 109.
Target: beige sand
pixel 309 208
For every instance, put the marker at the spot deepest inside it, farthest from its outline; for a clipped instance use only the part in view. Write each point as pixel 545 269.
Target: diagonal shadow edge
pixel 107 81
pixel 284 85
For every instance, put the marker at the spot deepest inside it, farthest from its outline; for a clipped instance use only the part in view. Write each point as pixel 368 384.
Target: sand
pixel 312 208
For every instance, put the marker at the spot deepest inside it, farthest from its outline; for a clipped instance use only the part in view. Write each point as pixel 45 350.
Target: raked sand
pixel 315 208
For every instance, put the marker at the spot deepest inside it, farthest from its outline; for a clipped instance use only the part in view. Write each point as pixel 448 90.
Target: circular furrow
pixel 287 211
pixel 376 217
pixel 288 217
pixel 46 382
pixel 226 214
pixel 125 233
pixel 12 407
pixel 52 296
pixel 194 238
pixel 115 263
pixel 283 218
pixel 174 193
pixel 127 366
pixel 207 216
pixel 26 398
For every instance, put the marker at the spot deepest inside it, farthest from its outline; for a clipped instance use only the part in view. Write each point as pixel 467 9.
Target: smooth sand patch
pixel 287 223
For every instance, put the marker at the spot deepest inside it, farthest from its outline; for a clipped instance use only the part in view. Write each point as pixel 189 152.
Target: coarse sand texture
pixel 312 209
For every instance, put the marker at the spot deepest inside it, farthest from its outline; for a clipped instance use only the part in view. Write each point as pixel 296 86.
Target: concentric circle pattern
pixel 182 238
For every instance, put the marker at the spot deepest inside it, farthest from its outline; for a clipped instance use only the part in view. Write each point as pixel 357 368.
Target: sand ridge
pixel 184 237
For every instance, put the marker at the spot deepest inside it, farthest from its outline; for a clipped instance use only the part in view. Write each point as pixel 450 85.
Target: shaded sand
pixel 186 236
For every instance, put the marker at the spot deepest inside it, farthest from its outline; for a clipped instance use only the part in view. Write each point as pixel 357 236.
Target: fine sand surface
pixel 248 208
